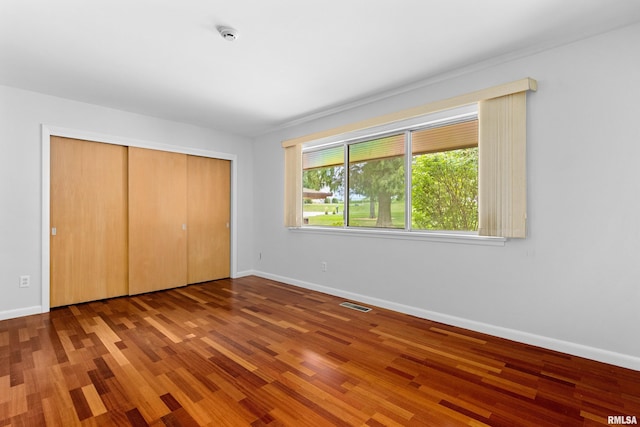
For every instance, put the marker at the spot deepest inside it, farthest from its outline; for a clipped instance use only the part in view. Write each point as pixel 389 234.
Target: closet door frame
pixel 48 131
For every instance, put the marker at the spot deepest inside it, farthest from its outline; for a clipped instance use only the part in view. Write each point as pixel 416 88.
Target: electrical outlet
pixel 25 281
pixel 323 266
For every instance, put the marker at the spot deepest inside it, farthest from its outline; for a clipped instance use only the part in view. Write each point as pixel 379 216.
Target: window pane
pixel 323 187
pixel 444 177
pixel 377 183
pixel 445 190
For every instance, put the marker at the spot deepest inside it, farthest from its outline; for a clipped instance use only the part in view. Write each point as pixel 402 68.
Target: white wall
pixel 21 116
pixel 574 283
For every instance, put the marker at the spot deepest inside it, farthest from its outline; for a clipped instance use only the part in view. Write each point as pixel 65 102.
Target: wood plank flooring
pixel 253 352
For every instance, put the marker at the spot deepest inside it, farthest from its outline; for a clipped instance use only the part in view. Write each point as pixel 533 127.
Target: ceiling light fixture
pixel 228 33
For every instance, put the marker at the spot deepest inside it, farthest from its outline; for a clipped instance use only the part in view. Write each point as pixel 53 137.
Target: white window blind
pixel 502 175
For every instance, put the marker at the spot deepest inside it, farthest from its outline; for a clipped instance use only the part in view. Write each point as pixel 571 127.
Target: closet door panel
pixel 157 220
pixel 88 252
pixel 209 189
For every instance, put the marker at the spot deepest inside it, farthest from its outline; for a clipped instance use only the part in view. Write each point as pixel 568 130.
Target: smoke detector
pixel 228 33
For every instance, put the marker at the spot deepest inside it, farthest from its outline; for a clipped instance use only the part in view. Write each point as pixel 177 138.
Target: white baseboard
pixel 245 273
pixel 20 312
pixel 593 353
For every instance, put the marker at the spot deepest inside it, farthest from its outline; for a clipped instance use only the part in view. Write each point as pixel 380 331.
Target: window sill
pixel 429 236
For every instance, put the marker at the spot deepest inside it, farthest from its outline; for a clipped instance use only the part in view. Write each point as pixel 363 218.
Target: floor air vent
pixel 355 307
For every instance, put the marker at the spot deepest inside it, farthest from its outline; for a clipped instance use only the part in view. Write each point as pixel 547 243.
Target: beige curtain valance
pixel 521 85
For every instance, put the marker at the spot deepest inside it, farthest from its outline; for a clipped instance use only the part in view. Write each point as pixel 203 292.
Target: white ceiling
pixel 293 58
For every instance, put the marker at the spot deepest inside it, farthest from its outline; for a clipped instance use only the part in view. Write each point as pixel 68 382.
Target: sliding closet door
pixel 89 221
pixel 157 220
pixel 208 218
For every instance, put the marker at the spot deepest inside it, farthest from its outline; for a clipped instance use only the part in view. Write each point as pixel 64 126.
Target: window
pixel 377 183
pixel 439 193
pixel 408 185
pixel 444 177
pixel 323 186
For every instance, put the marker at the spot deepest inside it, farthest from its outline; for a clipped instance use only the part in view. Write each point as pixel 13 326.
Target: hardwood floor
pixel 256 352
